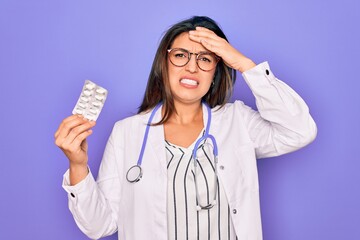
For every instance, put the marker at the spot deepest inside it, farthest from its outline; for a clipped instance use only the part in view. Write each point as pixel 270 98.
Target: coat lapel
pixel 157 137
pixel 157 142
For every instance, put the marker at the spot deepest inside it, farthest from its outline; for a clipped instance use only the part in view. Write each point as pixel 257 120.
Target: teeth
pixel 189 82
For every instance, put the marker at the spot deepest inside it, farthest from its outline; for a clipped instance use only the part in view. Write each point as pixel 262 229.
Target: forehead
pixel 183 41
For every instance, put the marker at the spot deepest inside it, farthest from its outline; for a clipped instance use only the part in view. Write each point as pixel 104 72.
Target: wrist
pixel 78 167
pixel 245 64
pixel 77 172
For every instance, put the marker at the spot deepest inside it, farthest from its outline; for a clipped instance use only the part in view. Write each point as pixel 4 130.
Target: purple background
pixel 48 48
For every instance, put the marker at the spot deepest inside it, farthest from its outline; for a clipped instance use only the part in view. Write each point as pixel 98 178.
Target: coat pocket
pixel 245 155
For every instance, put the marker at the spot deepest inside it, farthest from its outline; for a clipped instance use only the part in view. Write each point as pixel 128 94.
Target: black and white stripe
pixel 184 221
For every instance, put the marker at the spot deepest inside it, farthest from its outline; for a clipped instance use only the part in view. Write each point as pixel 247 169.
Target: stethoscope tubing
pixel 139 161
pixel 137 169
pixel 206 135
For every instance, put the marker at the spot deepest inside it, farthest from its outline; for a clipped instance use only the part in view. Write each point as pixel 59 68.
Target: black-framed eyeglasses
pixel 206 61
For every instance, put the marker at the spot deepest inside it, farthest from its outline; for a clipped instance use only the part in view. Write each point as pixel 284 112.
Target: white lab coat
pixel 138 211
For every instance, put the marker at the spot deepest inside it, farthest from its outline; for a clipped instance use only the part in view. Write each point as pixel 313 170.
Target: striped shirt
pixel 184 221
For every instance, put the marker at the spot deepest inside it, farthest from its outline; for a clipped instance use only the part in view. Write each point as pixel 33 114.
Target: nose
pixel 191 66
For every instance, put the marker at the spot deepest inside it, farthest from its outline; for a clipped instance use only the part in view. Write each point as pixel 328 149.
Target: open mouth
pixel 190 82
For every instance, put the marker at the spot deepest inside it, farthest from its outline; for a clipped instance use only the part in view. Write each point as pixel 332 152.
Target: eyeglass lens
pixel 180 57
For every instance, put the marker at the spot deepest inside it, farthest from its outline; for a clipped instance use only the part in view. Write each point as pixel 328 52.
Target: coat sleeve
pixel 282 123
pixel 94 204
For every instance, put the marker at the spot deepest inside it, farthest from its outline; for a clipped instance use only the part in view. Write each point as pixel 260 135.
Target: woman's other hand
pixel 232 57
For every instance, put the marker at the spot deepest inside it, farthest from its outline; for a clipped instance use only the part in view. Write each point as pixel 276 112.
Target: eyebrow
pixel 201 52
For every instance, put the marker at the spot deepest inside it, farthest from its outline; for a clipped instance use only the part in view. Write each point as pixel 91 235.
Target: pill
pixel 99 97
pixel 100 90
pixel 78 111
pixel 81 105
pixel 97 104
pixel 87 93
pixel 90 86
pixel 84 99
pixel 88 116
pixel 93 111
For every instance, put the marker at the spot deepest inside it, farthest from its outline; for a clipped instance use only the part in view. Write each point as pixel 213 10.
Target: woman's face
pixel 189 83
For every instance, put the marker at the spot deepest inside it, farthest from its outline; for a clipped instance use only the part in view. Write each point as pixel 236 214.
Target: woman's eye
pixel 205 59
pixel 180 55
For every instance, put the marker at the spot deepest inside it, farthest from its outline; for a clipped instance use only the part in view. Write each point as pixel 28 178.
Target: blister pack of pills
pixel 91 101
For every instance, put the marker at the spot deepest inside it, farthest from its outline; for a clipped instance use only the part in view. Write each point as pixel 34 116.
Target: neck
pixel 187 113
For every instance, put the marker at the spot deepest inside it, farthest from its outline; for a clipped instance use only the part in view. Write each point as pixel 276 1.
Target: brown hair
pixel 158 88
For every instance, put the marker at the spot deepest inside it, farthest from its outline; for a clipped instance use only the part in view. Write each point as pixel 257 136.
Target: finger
pixel 66 120
pixel 204 33
pixel 80 140
pixel 79 130
pixel 216 41
pixel 83 144
pixel 204 29
pixel 68 126
pixel 73 146
pixel 76 146
pixel 64 131
pixel 208 46
pixel 199 39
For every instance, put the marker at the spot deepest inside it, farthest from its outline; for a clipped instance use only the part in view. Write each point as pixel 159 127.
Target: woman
pixel 185 108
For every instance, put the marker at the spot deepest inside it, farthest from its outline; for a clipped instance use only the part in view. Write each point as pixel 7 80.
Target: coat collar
pixel 156 138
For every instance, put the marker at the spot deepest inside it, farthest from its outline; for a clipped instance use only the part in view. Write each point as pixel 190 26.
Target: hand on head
pixel 212 42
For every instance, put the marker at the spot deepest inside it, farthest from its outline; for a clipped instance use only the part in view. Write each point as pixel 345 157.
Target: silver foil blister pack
pixel 91 101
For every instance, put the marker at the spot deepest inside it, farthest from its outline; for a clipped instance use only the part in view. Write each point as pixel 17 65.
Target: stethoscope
pixel 135 173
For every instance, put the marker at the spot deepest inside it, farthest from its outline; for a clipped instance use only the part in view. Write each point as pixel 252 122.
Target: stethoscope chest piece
pixel 134 174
